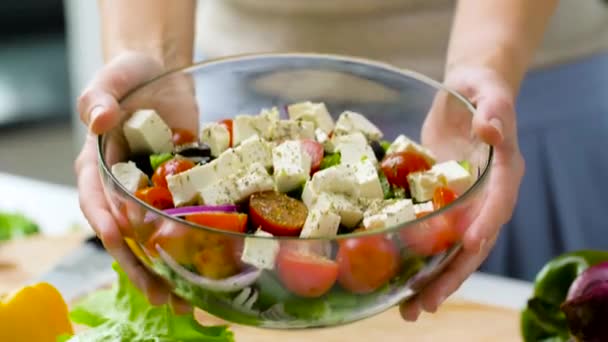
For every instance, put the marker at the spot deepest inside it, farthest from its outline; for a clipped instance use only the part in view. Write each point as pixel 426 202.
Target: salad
pixel 302 175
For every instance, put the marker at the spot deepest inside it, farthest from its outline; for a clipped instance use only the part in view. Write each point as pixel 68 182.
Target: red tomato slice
pixel 442 197
pixel 430 237
pixel 306 275
pixel 233 222
pixel 396 167
pixel 182 136
pixel 228 124
pixel 177 240
pixel 156 196
pixel 315 151
pixel 168 168
pixel 366 263
pixel 277 213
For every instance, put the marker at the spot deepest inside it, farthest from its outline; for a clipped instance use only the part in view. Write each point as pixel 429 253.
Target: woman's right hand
pixel 100 110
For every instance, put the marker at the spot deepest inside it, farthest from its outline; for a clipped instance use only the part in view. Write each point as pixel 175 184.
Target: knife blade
pixel 83 271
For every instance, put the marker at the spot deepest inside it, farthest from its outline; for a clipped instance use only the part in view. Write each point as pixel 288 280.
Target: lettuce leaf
pixel 124 314
pixel 15 225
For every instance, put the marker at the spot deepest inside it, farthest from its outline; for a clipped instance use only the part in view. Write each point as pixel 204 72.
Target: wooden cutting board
pixel 456 320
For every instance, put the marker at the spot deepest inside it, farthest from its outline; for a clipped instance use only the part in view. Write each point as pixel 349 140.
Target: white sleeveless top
pixel 408 33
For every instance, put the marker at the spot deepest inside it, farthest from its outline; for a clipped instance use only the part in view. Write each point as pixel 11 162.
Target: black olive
pixel 142 161
pixel 378 150
pixel 193 150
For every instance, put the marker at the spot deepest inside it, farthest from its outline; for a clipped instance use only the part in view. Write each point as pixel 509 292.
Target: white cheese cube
pixel 367 181
pixel 261 253
pixel 320 223
pixel 425 207
pixel 146 132
pixel 255 149
pixel 130 176
pixel 321 137
pixel 350 122
pixel 228 163
pixel 350 213
pixel 216 136
pixel 245 126
pixel 291 130
pixel 354 148
pixel 223 191
pixel 456 177
pixel 314 112
pixel 291 165
pixel 404 144
pixel 336 179
pixel 309 194
pixel 388 214
pixel 423 184
pixel 254 179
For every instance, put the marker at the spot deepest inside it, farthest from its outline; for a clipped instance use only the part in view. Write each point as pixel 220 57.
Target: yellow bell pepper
pixel 35 313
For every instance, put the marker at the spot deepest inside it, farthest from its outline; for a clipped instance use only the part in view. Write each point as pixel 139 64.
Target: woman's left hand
pixel 495 124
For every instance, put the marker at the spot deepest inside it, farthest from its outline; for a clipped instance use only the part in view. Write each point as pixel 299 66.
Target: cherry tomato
pixel 366 263
pixel 233 222
pixel 315 151
pixel 168 168
pixel 228 124
pixel 216 262
pixel 156 196
pixel 182 136
pixel 442 197
pixel 277 213
pixel 179 241
pixel 306 274
pixel 430 237
pixel 396 167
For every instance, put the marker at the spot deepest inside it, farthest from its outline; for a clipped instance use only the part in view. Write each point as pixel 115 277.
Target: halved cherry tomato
pixel 442 197
pixel 228 124
pixel 177 240
pixel 430 237
pixel 168 168
pixel 233 222
pixel 182 136
pixel 217 262
pixel 156 196
pixel 396 167
pixel 366 263
pixel 306 274
pixel 315 151
pixel 277 213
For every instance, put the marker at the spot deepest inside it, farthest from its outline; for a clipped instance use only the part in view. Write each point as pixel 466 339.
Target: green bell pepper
pixel 542 318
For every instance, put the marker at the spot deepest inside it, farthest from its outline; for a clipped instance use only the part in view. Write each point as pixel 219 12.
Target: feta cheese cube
pixel 456 177
pixel 291 130
pixel 223 191
pixel 314 112
pixel 254 149
pixel 216 136
pixel 228 163
pixel 423 184
pixel 388 213
pixel 261 253
pixel 354 148
pixel 404 144
pixel 146 132
pixel 424 207
pixel 350 122
pixel 367 181
pixel 254 179
pixel 291 165
pixel 336 179
pixel 245 126
pixel 130 176
pixel 350 213
pixel 309 194
pixel 320 223
pixel 321 137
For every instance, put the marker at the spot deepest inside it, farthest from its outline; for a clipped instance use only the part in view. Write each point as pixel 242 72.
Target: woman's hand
pixel 100 110
pixel 495 124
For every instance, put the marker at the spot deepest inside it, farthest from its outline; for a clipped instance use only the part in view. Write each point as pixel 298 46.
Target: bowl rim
pixel 336 57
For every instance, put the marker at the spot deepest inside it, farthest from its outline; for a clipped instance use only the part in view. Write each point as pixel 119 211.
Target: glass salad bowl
pixel 310 195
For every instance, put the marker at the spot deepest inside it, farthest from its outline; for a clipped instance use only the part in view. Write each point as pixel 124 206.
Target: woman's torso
pixel 407 33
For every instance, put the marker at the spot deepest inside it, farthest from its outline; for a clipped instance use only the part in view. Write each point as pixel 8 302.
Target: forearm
pixel 163 29
pixel 500 34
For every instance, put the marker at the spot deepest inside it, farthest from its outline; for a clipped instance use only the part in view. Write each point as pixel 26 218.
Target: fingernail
pixel 95 113
pixel 482 244
pixel 497 124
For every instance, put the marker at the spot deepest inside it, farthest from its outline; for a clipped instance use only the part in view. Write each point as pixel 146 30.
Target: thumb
pixel 98 105
pixel 494 121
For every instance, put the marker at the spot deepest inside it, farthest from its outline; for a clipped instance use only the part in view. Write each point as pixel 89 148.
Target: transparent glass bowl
pixel 396 100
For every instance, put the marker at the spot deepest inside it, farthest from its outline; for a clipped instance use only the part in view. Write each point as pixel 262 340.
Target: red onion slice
pixel 231 284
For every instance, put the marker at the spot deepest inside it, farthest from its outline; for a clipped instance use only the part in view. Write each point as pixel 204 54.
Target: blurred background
pixel 39 81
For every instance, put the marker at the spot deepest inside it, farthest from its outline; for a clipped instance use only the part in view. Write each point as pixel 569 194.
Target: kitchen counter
pixel 55 208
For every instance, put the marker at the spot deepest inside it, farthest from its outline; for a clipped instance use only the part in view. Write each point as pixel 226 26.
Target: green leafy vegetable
pixel 386 187
pixel 466 165
pixel 385 145
pixel 157 159
pixel 330 160
pixel 15 225
pixel 124 314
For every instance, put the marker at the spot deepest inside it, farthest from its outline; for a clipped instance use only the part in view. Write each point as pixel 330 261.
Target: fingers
pixel 410 310
pixel 98 104
pixel 179 306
